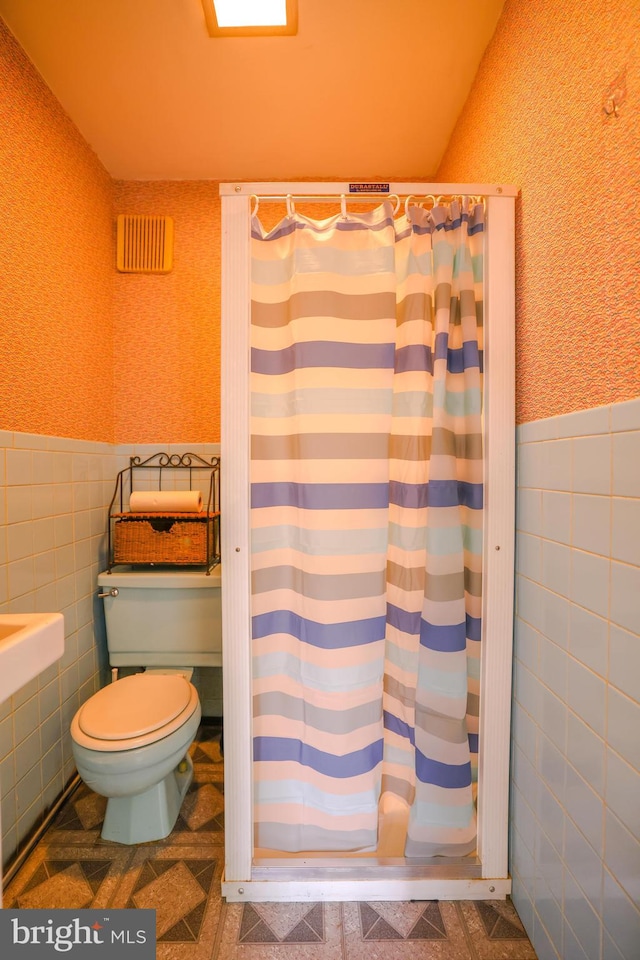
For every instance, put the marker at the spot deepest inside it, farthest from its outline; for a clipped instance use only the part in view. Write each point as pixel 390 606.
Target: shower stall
pixel 367 545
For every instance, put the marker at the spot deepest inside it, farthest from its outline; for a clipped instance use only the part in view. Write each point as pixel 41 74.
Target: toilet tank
pixel 163 618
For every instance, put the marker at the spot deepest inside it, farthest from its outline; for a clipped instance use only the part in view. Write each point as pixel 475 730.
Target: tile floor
pixel 179 877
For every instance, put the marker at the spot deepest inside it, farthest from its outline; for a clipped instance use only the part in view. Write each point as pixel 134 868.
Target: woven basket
pixel 162 538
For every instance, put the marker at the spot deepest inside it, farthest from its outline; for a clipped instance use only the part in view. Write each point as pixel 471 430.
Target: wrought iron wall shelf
pixel 167 539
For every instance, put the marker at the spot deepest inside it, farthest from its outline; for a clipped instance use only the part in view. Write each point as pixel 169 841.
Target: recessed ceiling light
pixel 251 18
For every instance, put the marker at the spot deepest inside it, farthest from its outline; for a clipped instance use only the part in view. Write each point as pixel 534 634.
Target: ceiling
pixel 367 88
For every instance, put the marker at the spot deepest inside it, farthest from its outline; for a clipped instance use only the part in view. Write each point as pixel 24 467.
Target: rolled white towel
pixel 165 501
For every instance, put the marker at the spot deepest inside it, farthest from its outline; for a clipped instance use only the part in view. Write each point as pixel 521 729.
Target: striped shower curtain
pixel 366 519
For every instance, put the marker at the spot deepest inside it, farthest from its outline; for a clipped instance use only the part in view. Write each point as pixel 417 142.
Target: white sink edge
pixel 37 642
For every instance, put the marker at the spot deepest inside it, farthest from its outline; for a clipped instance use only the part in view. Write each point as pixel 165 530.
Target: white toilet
pixel 131 739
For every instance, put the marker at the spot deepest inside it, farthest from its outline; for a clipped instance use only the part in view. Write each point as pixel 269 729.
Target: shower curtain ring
pixel 406 205
pixel 290 207
pixel 394 196
pixel 343 206
pixel 254 211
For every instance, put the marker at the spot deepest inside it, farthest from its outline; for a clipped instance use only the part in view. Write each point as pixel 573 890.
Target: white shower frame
pixel 342 878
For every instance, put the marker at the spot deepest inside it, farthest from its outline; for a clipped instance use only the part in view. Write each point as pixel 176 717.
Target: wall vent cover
pixel 145 244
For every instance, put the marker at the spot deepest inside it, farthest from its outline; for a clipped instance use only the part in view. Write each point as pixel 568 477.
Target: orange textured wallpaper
pixel 56 247
pixel 535 118
pixel 167 327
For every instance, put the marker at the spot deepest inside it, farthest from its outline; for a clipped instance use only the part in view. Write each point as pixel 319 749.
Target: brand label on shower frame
pixel 368 188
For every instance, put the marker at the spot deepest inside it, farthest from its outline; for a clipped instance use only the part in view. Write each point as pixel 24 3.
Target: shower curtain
pixel 366 526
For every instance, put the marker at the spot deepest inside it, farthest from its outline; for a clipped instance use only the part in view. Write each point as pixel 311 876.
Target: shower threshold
pixel 384 879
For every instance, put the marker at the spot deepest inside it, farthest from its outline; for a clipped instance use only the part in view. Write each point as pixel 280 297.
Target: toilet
pixel 131 739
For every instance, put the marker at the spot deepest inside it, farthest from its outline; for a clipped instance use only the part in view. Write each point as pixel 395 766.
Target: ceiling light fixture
pixel 251 18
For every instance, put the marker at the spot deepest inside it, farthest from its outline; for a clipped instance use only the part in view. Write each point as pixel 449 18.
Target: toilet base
pixel 150 815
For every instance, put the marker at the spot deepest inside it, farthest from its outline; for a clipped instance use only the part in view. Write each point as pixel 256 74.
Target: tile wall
pixel 575 821
pixel 54 498
pixel 53 506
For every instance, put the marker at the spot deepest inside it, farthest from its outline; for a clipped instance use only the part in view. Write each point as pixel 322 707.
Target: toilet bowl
pixel 130 742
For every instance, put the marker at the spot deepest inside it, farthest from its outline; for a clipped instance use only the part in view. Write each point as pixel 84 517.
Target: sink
pixel 29 643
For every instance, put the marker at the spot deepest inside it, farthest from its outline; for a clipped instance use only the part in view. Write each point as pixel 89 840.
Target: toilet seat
pixel 134 712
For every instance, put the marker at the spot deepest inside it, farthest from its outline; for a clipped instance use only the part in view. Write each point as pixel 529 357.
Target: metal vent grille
pixel 145 244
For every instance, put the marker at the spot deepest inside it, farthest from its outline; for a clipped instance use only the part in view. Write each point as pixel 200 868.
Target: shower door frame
pixel 343 878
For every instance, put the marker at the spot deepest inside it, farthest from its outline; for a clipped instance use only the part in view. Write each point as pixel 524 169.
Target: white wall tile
pixel 550 815
pixel 554 615
pixel 625 540
pixel 19 467
pixel 21 583
pixel 556 517
pixel 529 510
pixel 585 808
pixel 571 949
pixel 588 639
pixel 591 529
pixel 623 724
pixel 530 465
pixel 553 718
pixel 626 464
pixel 18 504
pixel 586 696
pixel 553 668
pixel 625 595
pixel 44 534
pixel 592 465
pixel 25 719
pixel 584 422
pixel 621 917
pixel 583 920
pixel 622 855
pixel 585 751
pixel 593 776
pixel 556 567
pixel 626 416
pixel 41 577
pixel 556 465
pixel 590 582
pixel 622 792
pixel 43 467
pixel 19 541
pixel 526 644
pixel 529 556
pixel 624 661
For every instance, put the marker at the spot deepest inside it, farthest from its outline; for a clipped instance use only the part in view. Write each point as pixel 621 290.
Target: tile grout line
pixel 461 920
pixel 343 938
pixel 222 919
pixel 126 867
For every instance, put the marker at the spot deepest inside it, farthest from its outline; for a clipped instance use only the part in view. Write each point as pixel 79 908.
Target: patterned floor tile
pixel 179 877
pixel 67 877
pixel 269 923
pixel 298 931
pixel 496 930
pixel 202 812
pixel 201 816
pixel 404 931
pixel 80 820
pixel 182 884
pixel 207 745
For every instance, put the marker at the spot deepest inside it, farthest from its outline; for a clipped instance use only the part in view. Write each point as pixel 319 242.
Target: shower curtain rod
pixel 362 197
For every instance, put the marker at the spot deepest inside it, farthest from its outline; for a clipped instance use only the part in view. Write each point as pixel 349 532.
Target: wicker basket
pixel 163 538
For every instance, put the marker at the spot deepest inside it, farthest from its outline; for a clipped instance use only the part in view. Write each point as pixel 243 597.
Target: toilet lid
pixel 134 706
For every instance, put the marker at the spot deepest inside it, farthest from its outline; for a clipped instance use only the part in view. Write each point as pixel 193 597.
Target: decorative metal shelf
pixel 165 539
